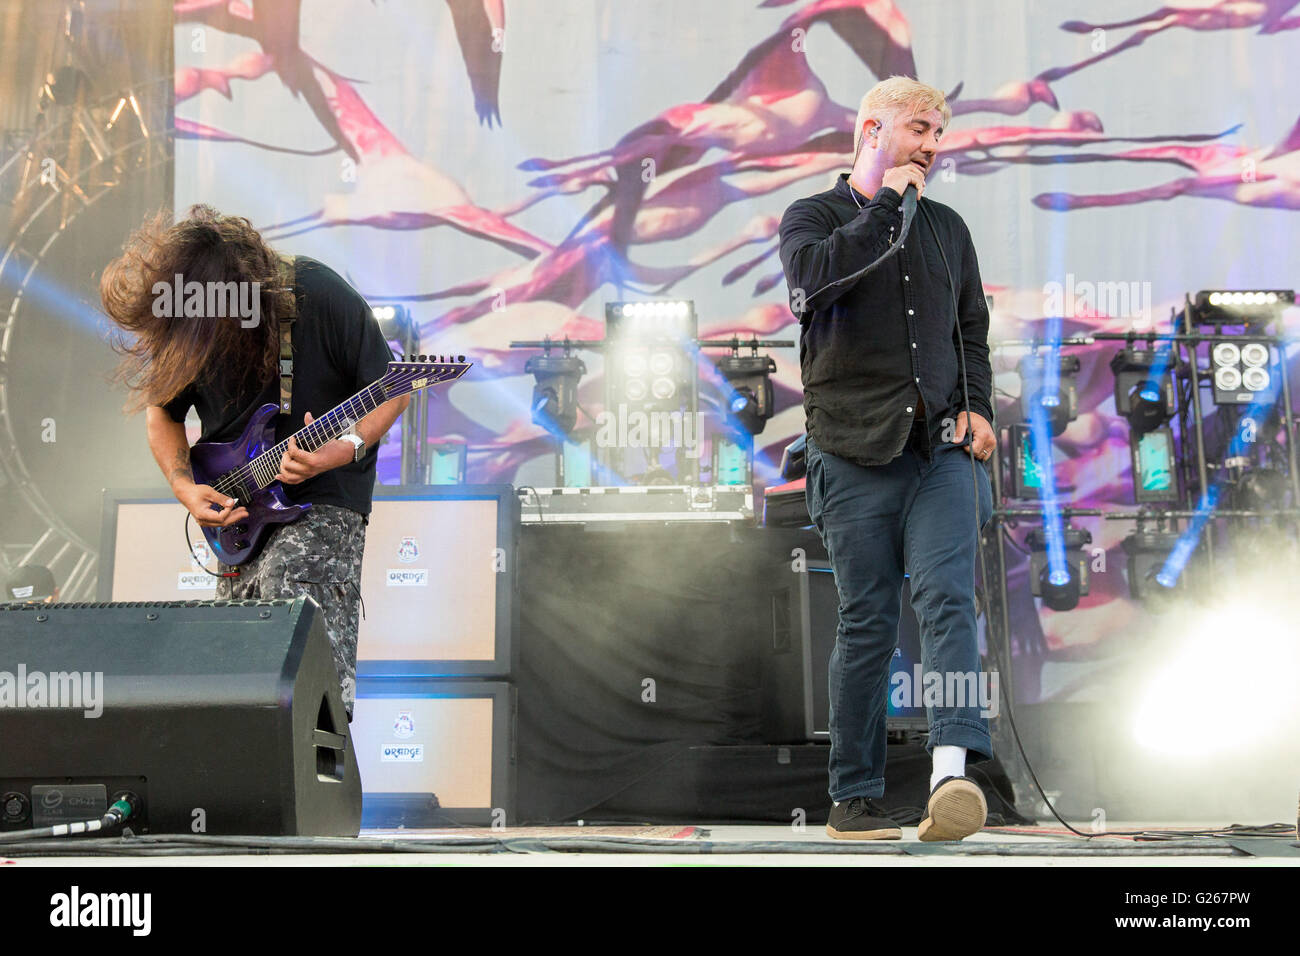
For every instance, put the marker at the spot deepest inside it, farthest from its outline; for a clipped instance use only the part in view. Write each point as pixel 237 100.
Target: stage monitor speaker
pixel 221 717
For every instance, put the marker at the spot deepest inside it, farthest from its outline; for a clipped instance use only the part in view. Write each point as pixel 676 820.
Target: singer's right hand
pixel 900 177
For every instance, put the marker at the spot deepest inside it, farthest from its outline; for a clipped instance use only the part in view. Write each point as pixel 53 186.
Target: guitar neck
pixel 320 432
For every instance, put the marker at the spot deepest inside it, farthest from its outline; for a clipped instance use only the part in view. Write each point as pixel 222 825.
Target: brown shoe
pixel 955 810
pixel 861 818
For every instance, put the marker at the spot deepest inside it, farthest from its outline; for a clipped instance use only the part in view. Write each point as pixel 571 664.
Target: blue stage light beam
pixel 1041 437
pixel 63 303
pixel 1182 551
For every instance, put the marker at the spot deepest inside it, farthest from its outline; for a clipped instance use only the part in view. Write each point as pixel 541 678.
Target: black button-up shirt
pixel 868 349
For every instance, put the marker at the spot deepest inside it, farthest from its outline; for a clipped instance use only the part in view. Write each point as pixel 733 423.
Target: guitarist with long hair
pixel 210 311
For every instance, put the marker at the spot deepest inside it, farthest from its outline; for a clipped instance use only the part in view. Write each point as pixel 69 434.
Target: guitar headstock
pixel 421 371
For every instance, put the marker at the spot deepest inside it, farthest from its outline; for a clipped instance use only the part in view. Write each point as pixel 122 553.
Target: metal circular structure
pixel 79 186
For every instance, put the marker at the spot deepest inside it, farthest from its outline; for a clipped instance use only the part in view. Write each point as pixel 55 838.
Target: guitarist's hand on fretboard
pixel 297 466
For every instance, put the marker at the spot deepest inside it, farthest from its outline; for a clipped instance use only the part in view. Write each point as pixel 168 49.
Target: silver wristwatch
pixel 358 444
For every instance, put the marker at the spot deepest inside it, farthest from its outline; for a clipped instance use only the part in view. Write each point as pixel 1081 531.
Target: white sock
pixel 948 762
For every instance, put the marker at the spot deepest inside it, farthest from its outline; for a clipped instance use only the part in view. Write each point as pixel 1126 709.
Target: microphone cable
pixel 908 209
pixel 984 571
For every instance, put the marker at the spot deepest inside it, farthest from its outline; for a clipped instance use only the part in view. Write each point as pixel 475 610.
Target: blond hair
pixel 890 97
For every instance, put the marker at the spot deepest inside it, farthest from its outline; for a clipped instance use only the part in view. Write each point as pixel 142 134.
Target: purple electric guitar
pixel 246 468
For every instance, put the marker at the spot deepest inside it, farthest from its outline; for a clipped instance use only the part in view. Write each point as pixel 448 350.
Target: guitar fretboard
pixel 400 379
pixel 319 433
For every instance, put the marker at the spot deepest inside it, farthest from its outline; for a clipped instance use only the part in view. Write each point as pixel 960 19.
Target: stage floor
pixel 686 844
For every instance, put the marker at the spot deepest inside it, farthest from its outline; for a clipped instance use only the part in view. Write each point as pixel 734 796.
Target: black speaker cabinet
pixel 795 665
pixel 221 717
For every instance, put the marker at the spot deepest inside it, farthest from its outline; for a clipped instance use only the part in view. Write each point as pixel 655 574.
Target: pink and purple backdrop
pixel 504 167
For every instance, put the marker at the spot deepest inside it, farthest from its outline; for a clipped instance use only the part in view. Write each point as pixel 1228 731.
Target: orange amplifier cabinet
pixel 438 581
pixel 435 752
pixel 142 550
pixel 437 575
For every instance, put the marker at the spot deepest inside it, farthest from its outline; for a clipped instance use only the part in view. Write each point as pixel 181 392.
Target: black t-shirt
pixel 338 350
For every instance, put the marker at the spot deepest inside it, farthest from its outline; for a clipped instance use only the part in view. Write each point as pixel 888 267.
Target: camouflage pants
pixel 319 555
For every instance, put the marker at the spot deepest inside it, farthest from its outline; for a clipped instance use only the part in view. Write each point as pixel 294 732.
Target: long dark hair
pixel 162 354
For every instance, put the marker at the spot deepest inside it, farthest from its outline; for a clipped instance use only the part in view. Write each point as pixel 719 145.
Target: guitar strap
pixel 286 320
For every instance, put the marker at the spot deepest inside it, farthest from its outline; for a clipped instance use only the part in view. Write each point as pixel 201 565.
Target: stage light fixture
pixel 650 357
pixel 751 402
pixel 1155 476
pixel 554 404
pixel 1058 569
pixel 1241 372
pixel 1259 489
pixel 1144 387
pixel 663 388
pixel 1059 589
pixel 1049 382
pixel 446 463
pixel 662 316
pixel 1252 307
pixel 1026 478
pixel 394 321
pixel 731 459
pixel 650 351
pixel 1147 552
pixel 1226 354
pixel 576 463
pixel 1227 378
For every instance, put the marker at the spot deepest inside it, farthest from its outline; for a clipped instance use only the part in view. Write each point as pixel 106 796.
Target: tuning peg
pixel 460 359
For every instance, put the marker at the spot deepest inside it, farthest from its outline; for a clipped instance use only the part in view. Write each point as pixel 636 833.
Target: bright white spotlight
pixel 1228 378
pixel 1237 670
pixel 1255 379
pixel 1226 353
pixel 1254 353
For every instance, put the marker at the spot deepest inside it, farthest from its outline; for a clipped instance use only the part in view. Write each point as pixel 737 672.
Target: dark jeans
pixel 875 522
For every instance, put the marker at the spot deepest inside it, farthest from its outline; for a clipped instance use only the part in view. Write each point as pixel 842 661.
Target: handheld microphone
pixel 908 209
pixel 909 206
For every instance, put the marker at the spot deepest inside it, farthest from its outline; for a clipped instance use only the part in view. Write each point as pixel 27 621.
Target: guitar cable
pixel 216 574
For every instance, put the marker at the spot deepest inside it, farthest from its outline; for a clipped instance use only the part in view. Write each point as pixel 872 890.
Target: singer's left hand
pixel 983 440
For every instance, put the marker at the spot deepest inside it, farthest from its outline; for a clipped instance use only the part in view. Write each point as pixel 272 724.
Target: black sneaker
pixel 955 810
pixel 861 819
